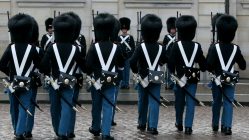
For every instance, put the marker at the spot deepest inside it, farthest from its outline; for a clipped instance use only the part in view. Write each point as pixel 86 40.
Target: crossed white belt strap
pixel 58 59
pixel 227 66
pixel 123 40
pixel 50 39
pixel 185 59
pixel 152 67
pixel 19 68
pixel 172 39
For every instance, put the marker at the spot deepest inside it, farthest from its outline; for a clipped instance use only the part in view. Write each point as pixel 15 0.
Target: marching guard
pixel 60 60
pixel 107 58
pixel 168 42
pixel 145 64
pixel 127 43
pixel 16 63
pixel 182 58
pixel 221 58
pixel 48 38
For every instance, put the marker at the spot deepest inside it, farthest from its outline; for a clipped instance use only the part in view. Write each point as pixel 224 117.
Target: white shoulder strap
pixel 101 59
pixel 123 40
pixel 172 39
pixel 19 70
pixel 49 40
pixel 188 63
pixel 151 67
pixel 223 66
pixel 63 69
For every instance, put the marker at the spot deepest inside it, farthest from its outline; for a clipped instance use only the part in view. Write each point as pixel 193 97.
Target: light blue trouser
pixel 30 119
pixel 227 114
pixel 147 103
pixel 73 118
pixel 18 114
pixel 116 96
pixel 55 108
pixel 126 74
pixel 182 99
pixel 66 111
pixel 99 103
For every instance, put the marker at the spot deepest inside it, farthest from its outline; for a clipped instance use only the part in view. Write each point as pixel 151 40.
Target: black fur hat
pixel 20 27
pixel 114 36
pixel 48 23
pixel 226 28
pixel 35 33
pixel 125 23
pixel 103 26
pixel 171 23
pixel 64 28
pixel 78 24
pixel 151 26
pixel 186 27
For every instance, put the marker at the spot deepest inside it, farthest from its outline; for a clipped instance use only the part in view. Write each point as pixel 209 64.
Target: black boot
pixel 106 137
pixel 62 137
pixel 114 123
pixel 141 127
pixel 71 135
pixel 222 129
pixel 179 127
pixel 28 135
pixel 227 131
pixel 19 137
pixel 215 128
pixel 152 131
pixel 188 130
pixel 94 132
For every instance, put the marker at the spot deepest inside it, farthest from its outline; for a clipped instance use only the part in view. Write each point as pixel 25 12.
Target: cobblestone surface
pixel 127 122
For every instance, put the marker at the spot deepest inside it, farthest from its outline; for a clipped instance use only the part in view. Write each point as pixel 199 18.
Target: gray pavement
pixel 127 122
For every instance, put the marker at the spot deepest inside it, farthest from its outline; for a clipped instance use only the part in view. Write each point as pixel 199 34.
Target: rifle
pixel 139 38
pixel 97 86
pixel 182 84
pixel 54 13
pixel 8 16
pixel 12 91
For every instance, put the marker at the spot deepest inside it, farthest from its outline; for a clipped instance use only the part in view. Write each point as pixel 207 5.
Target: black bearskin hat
pixel 151 26
pixel 78 24
pixel 226 28
pixel 186 27
pixel 64 28
pixel 48 23
pixel 114 36
pixel 171 23
pixel 35 33
pixel 20 27
pixel 125 23
pixel 103 26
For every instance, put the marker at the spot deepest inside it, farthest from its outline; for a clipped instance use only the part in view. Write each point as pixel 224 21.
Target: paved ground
pixel 126 125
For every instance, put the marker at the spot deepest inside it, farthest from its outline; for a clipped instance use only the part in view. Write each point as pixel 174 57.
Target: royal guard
pixel 59 61
pixel 16 62
pixel 186 59
pixel 107 59
pixel 221 58
pixel 145 64
pixel 128 45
